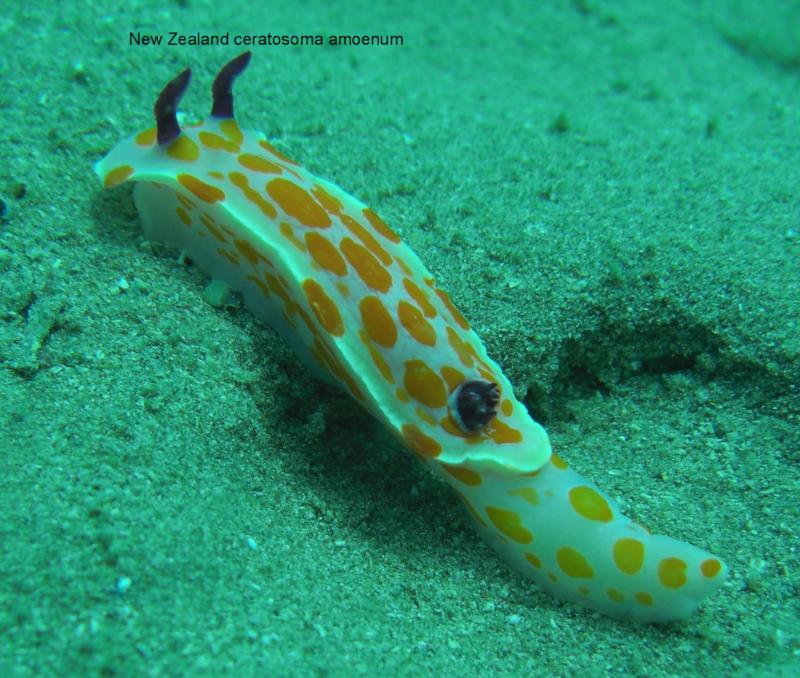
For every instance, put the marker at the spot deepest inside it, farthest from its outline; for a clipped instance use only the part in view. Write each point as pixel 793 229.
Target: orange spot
pixel 460 347
pixel 672 572
pixel 240 181
pixel 464 475
pixel 261 285
pixel 353 387
pixel 453 378
pixel 479 361
pixel 326 358
pixel 367 238
pixel 412 319
pixel 380 226
pixel 184 149
pixel 628 555
pixel 271 149
pixel 454 312
pixel 288 233
pixel 306 319
pixel 475 515
pixel 377 358
pixel 377 321
pixel 381 364
pixel 558 462
pixel 332 205
pixel 298 203
pixel 402 396
pixel 425 416
pixel 201 189
pixel 710 568
pixel 452 428
pixel 420 297
pixel 502 433
pixel 208 223
pixel 117 176
pixel 487 374
pixel 183 215
pixel 230 256
pixel 248 251
pixel 146 138
pixel 404 266
pixel 510 524
pixel 278 288
pixel 232 233
pixel 324 307
pixel 506 407
pixel 528 494
pixel 230 128
pixel 423 384
pixel 419 442
pixel 589 504
pixel 369 269
pixel 533 559
pixel 259 164
pixel 573 563
pixel 217 143
pixel 183 200
pixel 324 253
pixel 643 598
pixel 615 595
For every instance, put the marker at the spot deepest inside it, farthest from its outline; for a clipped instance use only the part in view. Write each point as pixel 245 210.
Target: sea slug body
pixel 363 312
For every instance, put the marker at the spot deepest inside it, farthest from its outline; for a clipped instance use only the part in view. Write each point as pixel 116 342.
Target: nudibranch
pixel 363 312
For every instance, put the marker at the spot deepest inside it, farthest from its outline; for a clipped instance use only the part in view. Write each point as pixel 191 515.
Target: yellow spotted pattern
pixel 363 312
pixel 509 524
pixel 628 555
pixel 589 504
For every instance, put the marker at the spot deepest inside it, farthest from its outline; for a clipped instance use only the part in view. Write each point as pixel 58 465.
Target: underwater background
pixel 607 190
